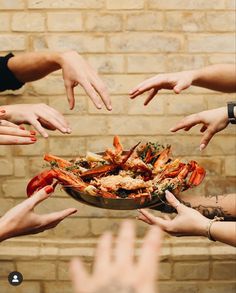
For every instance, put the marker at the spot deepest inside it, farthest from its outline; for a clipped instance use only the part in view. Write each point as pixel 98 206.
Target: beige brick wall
pixel 127 41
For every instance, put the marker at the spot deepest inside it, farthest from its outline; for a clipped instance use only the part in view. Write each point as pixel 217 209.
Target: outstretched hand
pixel 40 116
pixel 22 220
pixel 76 71
pixel 116 271
pixel 188 221
pixel 177 82
pixel 212 122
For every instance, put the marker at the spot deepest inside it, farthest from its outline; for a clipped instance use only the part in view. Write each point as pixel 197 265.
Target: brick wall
pixel 127 41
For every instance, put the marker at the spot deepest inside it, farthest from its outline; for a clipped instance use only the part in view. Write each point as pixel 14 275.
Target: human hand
pixel 77 71
pixel 12 134
pixel 22 220
pixel 188 221
pixel 213 121
pixel 116 271
pixel 40 116
pixel 177 81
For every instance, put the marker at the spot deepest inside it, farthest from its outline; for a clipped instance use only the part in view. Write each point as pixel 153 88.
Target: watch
pixel 231 117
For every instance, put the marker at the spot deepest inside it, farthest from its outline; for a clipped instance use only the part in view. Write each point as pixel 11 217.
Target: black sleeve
pixel 8 81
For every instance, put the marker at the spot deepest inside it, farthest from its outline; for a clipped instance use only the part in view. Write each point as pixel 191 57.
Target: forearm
pixel 221 205
pixel 220 77
pixel 33 66
pixel 224 232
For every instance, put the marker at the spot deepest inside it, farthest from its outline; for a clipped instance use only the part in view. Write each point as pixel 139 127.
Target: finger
pixel 7 123
pixel 154 220
pixel 204 128
pixel 180 87
pixel 54 118
pixel 150 253
pixel 15 131
pixel 41 195
pixel 79 276
pixel 102 91
pixel 70 96
pixel 16 140
pixel 142 85
pixel 207 136
pixel 103 255
pixel 144 219
pixel 57 217
pixel 36 124
pixel 46 124
pixel 91 93
pixel 188 122
pixel 124 249
pixel 53 122
pixel 173 201
pixel 151 96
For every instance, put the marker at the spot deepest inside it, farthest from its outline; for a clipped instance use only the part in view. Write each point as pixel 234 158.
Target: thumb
pixel 173 201
pixel 179 87
pixel 41 195
pixel 207 136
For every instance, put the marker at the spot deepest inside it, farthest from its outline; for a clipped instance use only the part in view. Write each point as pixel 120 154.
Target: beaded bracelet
pixel 209 226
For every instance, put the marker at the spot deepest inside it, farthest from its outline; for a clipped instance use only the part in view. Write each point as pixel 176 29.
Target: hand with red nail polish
pixel 22 220
pixel 12 134
pixel 40 116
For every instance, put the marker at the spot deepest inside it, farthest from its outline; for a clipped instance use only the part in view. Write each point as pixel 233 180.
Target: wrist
pixel 54 59
pixel 202 227
pixel 4 232
pixel 196 76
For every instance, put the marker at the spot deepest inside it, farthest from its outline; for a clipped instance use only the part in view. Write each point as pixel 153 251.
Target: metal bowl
pixel 112 203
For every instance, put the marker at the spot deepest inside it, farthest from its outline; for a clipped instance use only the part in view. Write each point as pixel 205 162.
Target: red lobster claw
pixel 43 179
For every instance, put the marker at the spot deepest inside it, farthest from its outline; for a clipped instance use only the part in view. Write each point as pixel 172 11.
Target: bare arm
pixel 221 205
pixel 189 222
pixel 224 232
pixel 75 70
pixel 28 67
pixel 219 77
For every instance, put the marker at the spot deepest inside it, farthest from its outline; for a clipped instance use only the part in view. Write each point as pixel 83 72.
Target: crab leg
pixel 61 162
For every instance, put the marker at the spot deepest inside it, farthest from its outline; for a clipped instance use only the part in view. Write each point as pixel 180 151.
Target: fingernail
pixel 32 132
pixel 48 189
pixel 3 111
pixel 22 127
pixel 202 147
pixel 167 193
pixel 33 138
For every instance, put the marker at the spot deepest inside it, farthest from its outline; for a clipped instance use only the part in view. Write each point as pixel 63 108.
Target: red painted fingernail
pixel 33 138
pixel 48 189
pixel 22 127
pixel 32 132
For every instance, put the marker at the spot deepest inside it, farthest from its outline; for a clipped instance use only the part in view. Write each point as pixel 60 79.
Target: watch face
pixel 232 118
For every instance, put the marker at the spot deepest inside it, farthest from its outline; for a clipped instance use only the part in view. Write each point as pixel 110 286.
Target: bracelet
pixel 209 226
